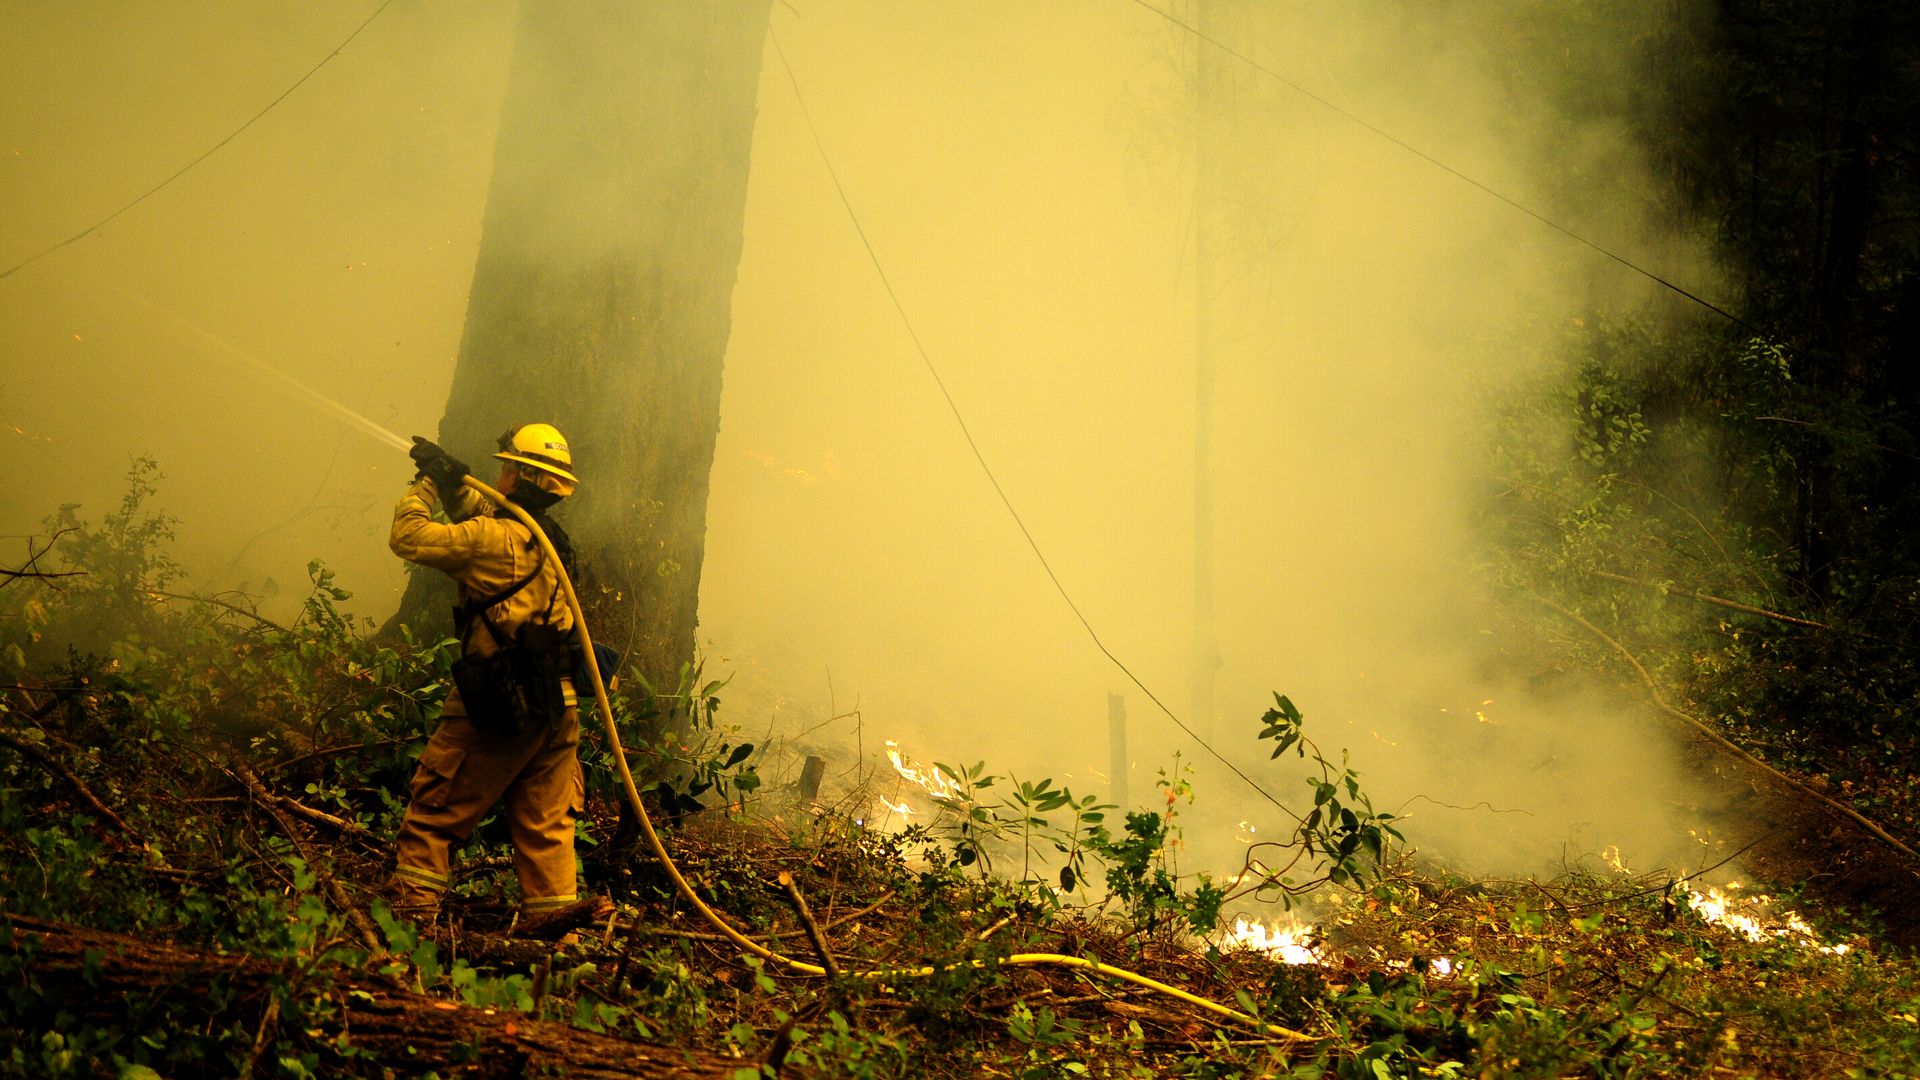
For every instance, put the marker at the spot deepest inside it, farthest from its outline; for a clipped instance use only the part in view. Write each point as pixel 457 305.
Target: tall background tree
pixel 601 297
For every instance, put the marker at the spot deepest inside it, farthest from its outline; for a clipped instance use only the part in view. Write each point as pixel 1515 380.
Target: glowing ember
pixel 1290 944
pixel 1748 917
pixel 932 781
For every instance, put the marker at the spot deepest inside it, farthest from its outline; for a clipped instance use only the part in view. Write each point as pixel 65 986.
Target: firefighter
pixel 504 738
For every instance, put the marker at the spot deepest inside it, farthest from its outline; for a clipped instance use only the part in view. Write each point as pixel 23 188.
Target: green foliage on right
pixel 1664 450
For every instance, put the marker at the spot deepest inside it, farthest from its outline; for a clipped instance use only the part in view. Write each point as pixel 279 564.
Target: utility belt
pixel 520 685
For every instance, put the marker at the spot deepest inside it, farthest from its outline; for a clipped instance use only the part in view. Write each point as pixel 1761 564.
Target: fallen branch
pixel 333 751
pixel 303 811
pixel 1165 1018
pixel 108 977
pixel 269 1023
pixel 345 905
pixel 321 817
pixel 560 922
pixel 502 953
pixel 1004 921
pixel 73 780
pixel 469 867
pixel 774 935
pixel 1705 598
pixel 235 608
pixel 813 928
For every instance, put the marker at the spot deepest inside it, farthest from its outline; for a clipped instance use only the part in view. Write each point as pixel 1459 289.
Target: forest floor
pixel 162 836
pixel 196 820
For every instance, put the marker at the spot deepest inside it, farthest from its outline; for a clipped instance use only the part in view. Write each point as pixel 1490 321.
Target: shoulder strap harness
pixel 463 614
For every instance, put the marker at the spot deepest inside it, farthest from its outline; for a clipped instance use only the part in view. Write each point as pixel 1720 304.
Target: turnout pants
pixel 462 775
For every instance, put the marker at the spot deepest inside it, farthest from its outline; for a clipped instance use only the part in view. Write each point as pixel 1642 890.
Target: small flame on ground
pixel 932 781
pixel 900 808
pixel 1755 923
pixel 1744 915
pixel 1290 944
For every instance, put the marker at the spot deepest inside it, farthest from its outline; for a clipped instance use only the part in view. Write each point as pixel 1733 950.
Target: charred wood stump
pixel 811 774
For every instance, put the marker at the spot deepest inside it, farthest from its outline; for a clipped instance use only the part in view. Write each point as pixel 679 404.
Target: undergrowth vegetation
pixel 1639 510
pixel 192 794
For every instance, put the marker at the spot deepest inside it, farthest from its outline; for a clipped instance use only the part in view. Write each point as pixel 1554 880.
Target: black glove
pixel 437 465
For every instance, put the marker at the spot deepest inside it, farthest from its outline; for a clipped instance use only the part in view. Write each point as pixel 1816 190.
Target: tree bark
pixel 601 297
pixel 110 978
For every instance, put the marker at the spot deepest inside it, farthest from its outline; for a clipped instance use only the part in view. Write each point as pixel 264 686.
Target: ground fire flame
pixel 1298 943
pixel 1748 916
pixel 932 781
pixel 1293 943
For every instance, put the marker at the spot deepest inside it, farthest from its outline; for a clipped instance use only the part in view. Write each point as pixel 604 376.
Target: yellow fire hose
pixel 800 966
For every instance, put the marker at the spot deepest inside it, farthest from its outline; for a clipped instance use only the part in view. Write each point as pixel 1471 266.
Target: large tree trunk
pixel 130 982
pixel 601 295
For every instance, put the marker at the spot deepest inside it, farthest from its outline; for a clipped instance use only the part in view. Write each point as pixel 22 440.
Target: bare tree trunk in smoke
pixel 602 291
pixel 1204 652
pixel 1237 236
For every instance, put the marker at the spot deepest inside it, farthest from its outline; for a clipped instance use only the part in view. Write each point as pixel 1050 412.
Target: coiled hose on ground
pixel 686 890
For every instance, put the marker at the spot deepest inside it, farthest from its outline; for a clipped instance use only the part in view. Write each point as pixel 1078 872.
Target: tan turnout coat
pixel 484 553
pixel 462 772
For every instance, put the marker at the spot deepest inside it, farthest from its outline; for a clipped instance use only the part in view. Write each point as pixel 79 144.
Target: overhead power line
pixel 182 171
pixel 978 456
pixel 1441 165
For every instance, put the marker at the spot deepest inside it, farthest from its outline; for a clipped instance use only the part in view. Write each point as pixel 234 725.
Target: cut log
pixel 115 979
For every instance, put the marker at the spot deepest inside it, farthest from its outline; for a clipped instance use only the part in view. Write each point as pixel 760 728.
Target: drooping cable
pixel 978 455
pixel 1443 166
pixel 182 171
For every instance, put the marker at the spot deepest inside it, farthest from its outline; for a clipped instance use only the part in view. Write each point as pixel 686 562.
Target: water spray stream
pixel 240 356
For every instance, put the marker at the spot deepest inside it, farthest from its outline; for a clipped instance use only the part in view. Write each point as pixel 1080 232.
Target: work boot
pixel 411 902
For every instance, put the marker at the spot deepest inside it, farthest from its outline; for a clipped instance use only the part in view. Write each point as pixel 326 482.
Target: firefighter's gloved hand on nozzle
pixel 437 465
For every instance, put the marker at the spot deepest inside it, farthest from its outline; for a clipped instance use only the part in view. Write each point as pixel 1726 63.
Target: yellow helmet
pixel 542 447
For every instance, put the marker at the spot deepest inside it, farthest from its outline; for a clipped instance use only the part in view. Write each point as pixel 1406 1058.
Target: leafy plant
pixel 1343 827
pixel 691 758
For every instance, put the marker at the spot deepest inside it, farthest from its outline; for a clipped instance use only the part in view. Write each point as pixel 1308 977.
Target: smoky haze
pixel 1030 178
